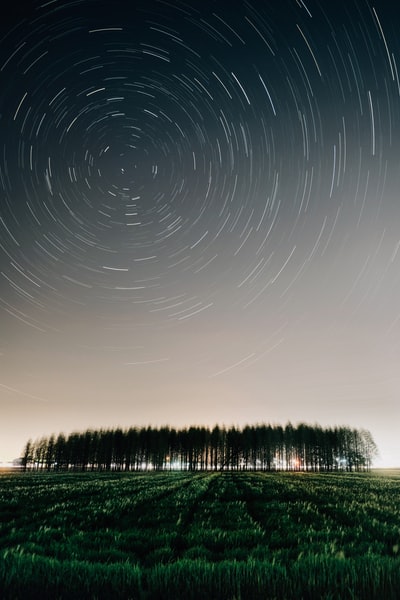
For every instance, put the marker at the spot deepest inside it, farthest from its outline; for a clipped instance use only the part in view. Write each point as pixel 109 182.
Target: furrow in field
pixel 220 528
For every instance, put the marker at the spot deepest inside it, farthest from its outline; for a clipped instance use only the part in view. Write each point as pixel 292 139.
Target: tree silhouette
pixel 261 447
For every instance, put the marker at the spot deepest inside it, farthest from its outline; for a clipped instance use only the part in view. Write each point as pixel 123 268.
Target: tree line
pixel 260 447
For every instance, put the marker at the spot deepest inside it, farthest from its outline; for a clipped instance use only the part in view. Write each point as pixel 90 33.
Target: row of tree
pixel 260 447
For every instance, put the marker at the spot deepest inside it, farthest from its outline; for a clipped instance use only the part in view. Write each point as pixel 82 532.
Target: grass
pixel 197 536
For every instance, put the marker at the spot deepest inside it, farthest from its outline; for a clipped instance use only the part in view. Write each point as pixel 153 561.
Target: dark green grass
pixel 197 536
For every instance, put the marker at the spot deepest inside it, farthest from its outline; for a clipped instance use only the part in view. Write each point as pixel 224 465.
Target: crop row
pixel 28 577
pixel 248 533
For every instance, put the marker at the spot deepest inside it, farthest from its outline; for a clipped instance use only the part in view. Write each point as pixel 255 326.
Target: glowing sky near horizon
pixel 199 216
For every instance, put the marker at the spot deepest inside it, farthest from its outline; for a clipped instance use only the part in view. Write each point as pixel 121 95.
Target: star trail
pixel 199 215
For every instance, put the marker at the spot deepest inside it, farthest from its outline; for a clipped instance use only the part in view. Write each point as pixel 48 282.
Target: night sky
pixel 199 215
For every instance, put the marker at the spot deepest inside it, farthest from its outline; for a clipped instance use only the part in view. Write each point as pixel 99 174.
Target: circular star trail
pixel 199 214
pixel 170 158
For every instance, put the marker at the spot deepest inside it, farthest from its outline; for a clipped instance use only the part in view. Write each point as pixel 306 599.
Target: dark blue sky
pixel 199 215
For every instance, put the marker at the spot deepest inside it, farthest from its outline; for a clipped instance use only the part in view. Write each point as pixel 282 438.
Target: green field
pixel 172 535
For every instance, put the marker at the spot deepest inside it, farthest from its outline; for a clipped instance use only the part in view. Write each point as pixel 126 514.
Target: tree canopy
pixel 259 447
